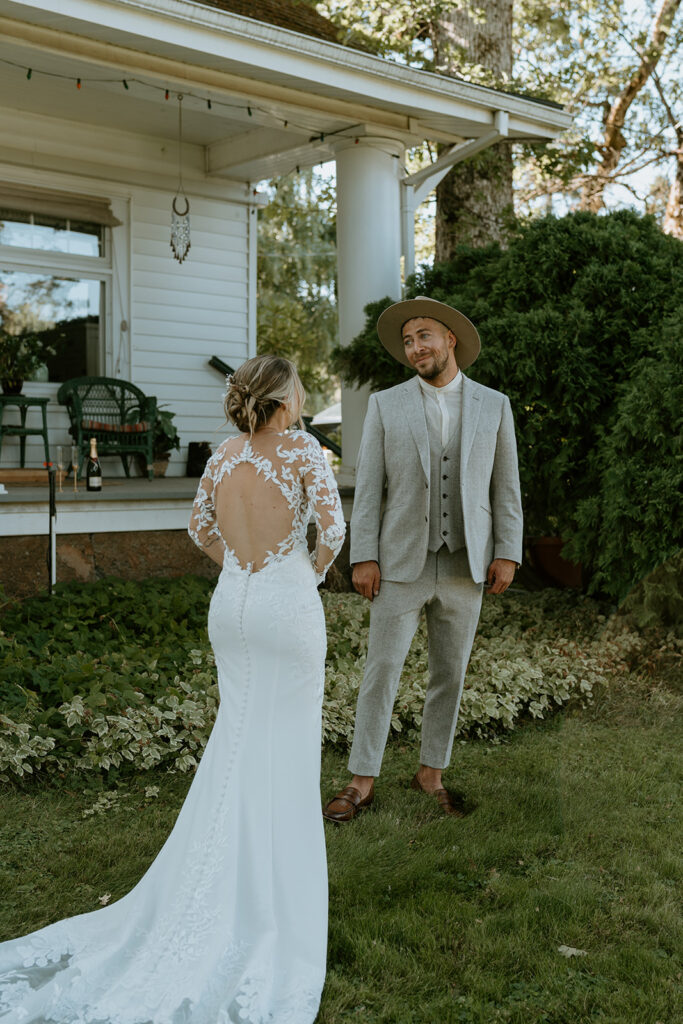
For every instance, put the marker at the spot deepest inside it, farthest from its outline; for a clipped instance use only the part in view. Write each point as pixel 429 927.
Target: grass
pixel 574 841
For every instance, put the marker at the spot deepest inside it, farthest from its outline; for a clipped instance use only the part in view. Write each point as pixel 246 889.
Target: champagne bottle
pixel 93 472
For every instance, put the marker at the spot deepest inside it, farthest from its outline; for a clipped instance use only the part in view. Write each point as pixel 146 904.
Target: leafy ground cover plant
pixel 115 677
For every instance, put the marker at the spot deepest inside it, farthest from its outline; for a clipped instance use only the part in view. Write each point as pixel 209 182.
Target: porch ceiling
pixel 274 92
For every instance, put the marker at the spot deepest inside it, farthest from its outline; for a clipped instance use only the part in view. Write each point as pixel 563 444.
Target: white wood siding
pixel 182 314
pixel 178 317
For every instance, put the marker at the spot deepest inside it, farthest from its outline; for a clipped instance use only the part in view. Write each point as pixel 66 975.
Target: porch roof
pixel 296 15
pixel 280 98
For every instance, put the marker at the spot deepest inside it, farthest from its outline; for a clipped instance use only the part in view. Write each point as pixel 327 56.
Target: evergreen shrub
pixel 580 320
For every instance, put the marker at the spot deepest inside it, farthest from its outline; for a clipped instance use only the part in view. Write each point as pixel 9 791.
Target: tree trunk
pixel 673 217
pixel 474 201
pixel 613 141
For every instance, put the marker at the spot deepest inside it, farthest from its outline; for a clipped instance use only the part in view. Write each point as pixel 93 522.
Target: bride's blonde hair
pixel 258 388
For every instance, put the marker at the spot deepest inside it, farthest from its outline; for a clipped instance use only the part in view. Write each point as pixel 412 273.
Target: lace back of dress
pixel 256 498
pixel 255 509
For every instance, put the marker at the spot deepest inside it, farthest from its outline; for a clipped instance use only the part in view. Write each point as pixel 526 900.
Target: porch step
pixel 23 476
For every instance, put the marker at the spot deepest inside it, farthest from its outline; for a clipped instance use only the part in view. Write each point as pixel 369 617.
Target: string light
pixel 147 85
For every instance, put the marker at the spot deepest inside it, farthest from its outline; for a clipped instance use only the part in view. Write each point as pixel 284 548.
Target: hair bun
pixel 258 388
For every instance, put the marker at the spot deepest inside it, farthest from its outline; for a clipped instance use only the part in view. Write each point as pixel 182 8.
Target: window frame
pixel 15 258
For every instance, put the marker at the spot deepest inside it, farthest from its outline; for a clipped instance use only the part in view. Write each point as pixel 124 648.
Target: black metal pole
pixel 52 542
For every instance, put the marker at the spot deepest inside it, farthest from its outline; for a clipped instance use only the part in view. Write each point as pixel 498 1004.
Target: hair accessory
pixel 235 385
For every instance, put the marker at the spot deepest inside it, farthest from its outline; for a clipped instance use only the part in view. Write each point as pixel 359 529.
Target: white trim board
pixel 95 517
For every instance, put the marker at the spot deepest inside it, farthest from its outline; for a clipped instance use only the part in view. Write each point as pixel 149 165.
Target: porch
pixel 134 529
pixel 92 122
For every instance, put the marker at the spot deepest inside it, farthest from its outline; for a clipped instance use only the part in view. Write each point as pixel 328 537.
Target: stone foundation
pixel 86 557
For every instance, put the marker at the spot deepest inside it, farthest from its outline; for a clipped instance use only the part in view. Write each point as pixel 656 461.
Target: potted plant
pixel 21 355
pixel 166 439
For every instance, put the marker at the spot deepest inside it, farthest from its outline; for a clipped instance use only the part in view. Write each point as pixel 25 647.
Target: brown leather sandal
pixel 346 804
pixel 442 796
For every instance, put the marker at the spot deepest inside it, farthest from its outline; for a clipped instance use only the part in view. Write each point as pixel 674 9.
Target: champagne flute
pixel 74 465
pixel 60 466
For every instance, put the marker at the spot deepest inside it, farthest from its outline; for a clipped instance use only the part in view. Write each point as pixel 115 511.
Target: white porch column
pixel 368 256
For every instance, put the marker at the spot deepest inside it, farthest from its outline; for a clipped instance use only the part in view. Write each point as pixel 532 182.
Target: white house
pixel 89 167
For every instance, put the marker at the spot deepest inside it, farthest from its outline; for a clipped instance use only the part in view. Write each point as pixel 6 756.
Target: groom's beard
pixel 432 369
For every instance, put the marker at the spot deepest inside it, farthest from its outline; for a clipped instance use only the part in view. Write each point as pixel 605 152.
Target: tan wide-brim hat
pixel 390 324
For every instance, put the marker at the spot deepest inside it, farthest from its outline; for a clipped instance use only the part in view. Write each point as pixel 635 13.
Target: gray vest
pixel 446 524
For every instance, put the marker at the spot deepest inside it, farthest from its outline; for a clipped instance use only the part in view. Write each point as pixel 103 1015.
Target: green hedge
pixel 581 321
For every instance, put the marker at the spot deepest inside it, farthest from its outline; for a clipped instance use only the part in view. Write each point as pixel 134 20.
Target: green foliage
pixel 296 272
pixel 166 435
pixel 580 320
pixel 21 354
pixel 657 601
pixel 124 636
pixel 87 682
pixel 634 519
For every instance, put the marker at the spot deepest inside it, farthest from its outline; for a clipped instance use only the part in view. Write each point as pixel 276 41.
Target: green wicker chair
pixel 116 413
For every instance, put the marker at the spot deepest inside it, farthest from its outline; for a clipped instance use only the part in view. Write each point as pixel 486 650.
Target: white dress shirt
pixel 443 406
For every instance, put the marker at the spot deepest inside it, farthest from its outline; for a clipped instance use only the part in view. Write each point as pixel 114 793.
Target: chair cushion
pixel 116 428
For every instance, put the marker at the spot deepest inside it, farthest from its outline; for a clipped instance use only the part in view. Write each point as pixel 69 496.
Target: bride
pixel 229 924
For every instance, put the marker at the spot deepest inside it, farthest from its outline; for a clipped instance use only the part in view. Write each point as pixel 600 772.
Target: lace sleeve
pixel 203 528
pixel 325 504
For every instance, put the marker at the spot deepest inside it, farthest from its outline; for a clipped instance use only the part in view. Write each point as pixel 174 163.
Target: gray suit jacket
pixel 395 451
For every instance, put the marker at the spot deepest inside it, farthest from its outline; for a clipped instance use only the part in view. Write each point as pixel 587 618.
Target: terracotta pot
pixel 160 466
pixel 547 560
pixel 12 386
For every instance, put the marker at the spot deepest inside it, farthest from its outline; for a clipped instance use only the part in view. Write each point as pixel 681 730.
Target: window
pixel 55 278
pixel 52 234
pixel 62 312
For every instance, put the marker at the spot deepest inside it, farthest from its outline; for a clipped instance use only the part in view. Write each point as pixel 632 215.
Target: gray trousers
pixel 452 602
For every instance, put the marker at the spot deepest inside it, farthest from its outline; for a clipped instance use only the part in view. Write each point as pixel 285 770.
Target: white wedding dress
pixel 229 924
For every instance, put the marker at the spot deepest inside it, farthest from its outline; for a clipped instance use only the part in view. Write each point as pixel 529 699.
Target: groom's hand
pixel 500 575
pixel 365 578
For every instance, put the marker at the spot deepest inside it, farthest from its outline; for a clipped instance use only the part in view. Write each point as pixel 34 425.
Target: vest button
pixel 445 514
pixel 444 478
pixel 426 519
pixel 444 495
pixel 445 458
pixel 445 533
pixel 426 485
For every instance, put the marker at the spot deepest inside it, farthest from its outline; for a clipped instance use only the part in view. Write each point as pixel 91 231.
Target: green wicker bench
pixel 116 413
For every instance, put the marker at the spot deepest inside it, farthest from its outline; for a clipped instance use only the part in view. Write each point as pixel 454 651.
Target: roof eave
pixel 211 37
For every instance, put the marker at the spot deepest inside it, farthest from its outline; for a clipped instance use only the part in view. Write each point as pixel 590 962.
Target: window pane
pixel 51 234
pixel 66 314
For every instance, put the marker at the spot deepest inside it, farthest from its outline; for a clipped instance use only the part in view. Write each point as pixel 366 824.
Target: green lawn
pixel 574 841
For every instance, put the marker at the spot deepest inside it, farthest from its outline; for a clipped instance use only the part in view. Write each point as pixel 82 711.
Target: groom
pixel 445 448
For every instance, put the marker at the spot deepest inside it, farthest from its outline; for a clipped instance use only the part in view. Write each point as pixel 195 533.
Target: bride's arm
pixel 203 528
pixel 323 495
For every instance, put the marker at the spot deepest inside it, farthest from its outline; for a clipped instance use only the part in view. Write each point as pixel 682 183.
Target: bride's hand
pixel 366 578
